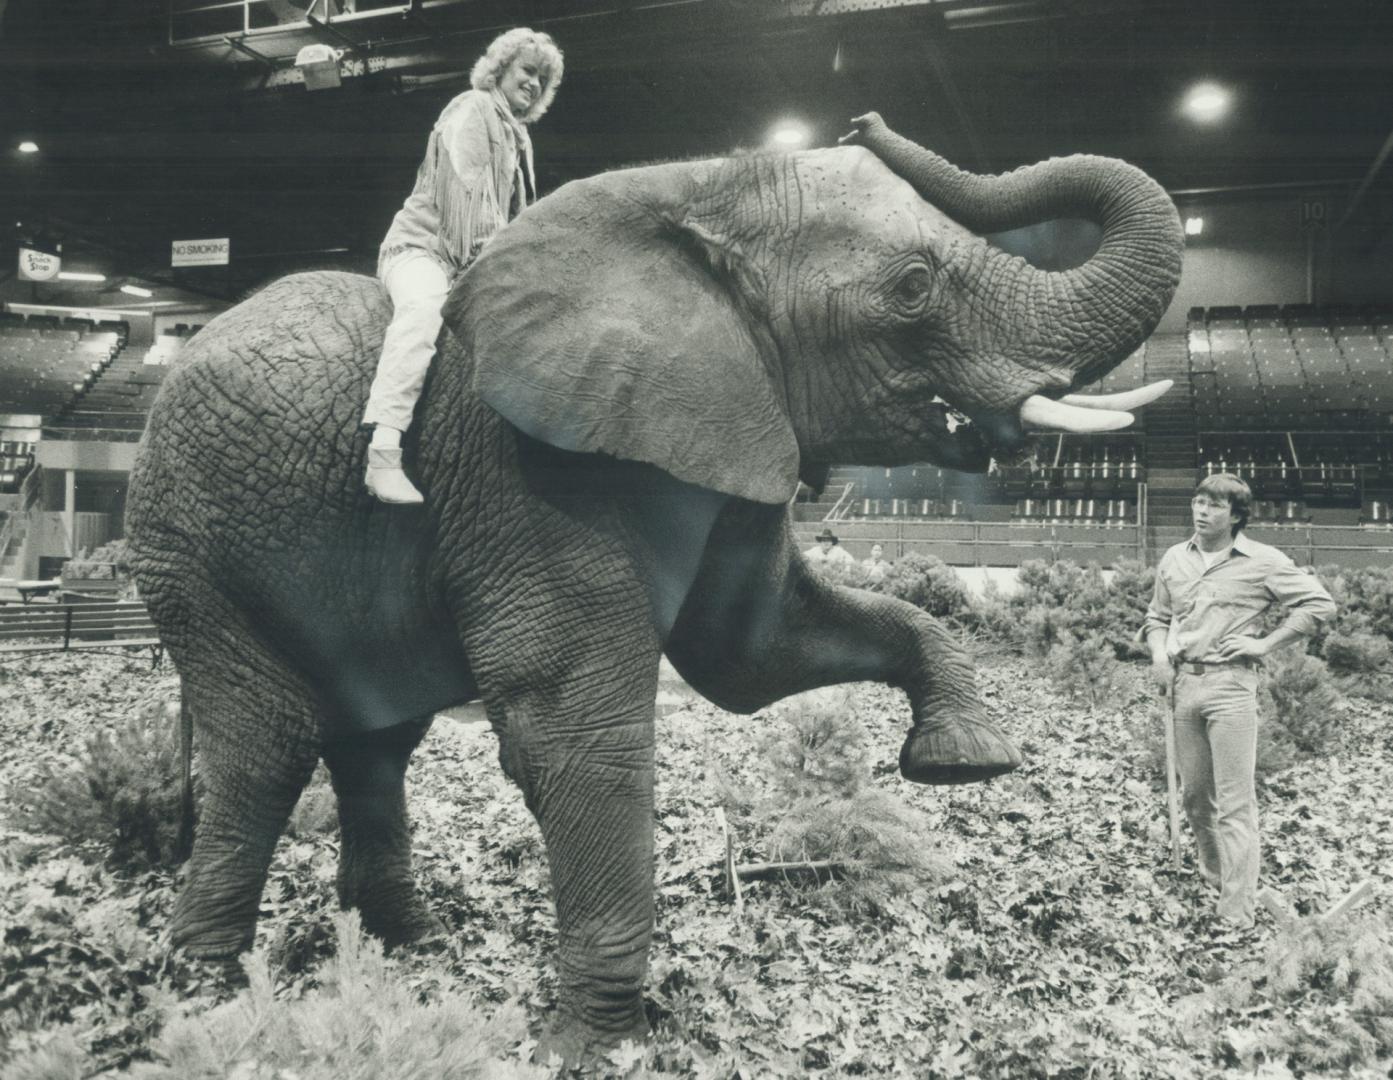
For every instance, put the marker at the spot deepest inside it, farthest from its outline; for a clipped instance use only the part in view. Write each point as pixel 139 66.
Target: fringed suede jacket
pixel 476 176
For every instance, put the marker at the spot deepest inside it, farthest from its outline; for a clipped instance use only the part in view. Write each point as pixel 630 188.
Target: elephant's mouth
pixel 970 438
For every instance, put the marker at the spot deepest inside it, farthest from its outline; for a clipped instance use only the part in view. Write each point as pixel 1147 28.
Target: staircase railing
pixel 7 531
pixel 842 506
pixel 29 490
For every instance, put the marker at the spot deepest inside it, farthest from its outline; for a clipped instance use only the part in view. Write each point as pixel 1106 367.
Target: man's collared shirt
pixel 1199 607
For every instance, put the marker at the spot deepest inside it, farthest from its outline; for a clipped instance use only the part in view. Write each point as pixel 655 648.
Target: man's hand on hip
pixel 1238 647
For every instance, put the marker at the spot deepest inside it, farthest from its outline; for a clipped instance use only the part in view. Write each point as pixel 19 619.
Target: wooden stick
pixel 1172 803
pixel 1281 911
pixel 756 871
pixel 732 878
pixel 1353 897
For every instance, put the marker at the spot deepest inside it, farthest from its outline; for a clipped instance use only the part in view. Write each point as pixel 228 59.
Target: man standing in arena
pixel 1211 593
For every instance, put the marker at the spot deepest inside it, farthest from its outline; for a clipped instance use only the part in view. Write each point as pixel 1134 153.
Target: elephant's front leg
pixel 576 735
pixel 759 625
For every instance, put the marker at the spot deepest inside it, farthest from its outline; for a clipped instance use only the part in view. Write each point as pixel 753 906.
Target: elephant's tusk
pixel 1057 416
pixel 1130 399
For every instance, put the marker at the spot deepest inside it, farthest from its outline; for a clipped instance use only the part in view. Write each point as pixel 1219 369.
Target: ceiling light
pixel 1194 226
pixel 1206 102
pixel 136 290
pixel 28 146
pixel 789 135
pixel 79 275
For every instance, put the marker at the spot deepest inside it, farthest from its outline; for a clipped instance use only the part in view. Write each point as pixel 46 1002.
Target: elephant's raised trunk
pixel 1099 321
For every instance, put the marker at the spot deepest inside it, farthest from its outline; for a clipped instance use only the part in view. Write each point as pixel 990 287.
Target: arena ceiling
pixel 144 140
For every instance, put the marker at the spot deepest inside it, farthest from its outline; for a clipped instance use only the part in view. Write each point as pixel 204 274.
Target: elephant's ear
pixel 598 325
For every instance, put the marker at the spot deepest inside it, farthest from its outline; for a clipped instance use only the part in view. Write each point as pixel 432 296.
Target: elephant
pixel 633 377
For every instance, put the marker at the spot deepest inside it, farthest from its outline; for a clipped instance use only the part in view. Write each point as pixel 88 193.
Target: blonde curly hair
pixel 500 54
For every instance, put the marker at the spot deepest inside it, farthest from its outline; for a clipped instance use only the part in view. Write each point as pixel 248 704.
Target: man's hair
pixel 500 53
pixel 1232 490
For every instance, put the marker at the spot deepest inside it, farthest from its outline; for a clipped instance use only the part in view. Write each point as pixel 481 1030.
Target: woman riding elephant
pixel 476 175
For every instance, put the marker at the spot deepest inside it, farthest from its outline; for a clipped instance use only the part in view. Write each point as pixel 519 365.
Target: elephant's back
pixel 264 401
pixel 317 329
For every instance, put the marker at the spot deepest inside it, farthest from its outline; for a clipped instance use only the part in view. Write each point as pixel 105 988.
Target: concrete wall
pixel 1251 252
pixel 87 454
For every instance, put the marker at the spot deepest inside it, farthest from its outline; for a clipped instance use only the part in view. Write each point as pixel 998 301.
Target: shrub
pixel 1364 598
pixel 1303 701
pixel 317 812
pixel 1080 600
pixel 1332 985
pixel 363 1021
pixel 818 806
pixel 992 616
pixel 123 790
pixel 1041 629
pixel 816 748
pixel 927 582
pixel 1357 653
pixel 1085 668
pixel 851 574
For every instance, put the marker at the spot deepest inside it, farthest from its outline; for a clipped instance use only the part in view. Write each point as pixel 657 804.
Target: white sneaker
pixel 385 480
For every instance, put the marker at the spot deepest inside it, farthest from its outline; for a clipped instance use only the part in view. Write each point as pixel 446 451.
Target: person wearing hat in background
pixel 827 550
pixel 476 176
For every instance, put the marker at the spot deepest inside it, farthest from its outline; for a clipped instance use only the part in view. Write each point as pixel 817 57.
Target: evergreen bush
pixel 1357 653
pixel 317 812
pixel 851 574
pixel 1332 988
pixel 1299 699
pixel 1364 598
pixel 363 1022
pixel 1043 628
pixel 929 583
pixel 1085 668
pixel 123 790
pixel 992 616
pixel 818 806
pixel 1062 598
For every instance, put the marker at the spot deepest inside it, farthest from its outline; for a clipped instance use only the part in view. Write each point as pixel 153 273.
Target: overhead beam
pixel 330 34
pixel 1375 167
pixel 247 50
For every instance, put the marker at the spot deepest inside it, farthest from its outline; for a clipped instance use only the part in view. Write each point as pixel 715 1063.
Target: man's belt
pixel 1195 667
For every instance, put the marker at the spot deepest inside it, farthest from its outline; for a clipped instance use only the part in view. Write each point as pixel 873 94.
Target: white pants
pixel 418 287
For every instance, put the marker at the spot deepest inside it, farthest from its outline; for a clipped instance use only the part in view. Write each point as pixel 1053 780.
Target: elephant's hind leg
pixel 369 775
pixel 257 740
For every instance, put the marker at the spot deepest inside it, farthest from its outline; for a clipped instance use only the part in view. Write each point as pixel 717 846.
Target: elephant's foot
pixel 201 936
pixel 393 913
pixel 956 750
pixel 577 1044
pixel 401 925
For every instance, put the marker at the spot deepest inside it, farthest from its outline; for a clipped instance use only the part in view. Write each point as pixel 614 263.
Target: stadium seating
pixel 1298 366
pixel 45 362
pixel 1096 480
pixel 115 405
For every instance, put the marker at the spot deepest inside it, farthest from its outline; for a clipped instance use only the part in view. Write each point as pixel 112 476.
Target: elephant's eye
pixel 913 287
